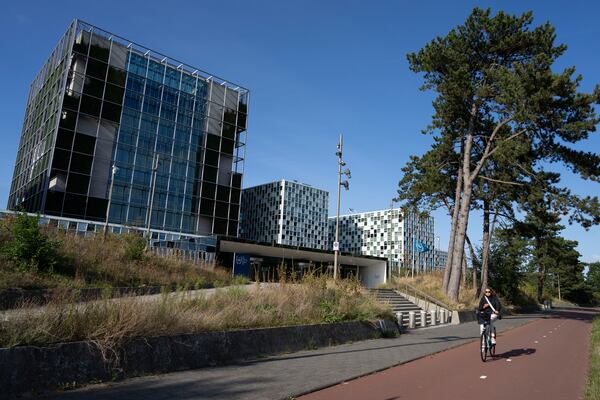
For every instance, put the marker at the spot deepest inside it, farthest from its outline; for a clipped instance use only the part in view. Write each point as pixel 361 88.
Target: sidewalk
pixel 287 376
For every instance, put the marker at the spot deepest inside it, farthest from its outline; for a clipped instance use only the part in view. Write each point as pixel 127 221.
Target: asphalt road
pixel 546 359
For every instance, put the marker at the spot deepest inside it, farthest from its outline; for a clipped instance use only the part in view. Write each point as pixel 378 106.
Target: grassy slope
pixel 431 284
pixel 116 261
pixel 107 322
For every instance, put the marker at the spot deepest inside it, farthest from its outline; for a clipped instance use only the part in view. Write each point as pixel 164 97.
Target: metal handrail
pixel 424 296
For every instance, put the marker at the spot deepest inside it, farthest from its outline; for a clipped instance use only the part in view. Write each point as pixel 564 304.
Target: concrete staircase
pixel 405 309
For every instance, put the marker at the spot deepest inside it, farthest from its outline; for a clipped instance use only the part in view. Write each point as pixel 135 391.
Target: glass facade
pixel 175 134
pixel 387 234
pixel 285 212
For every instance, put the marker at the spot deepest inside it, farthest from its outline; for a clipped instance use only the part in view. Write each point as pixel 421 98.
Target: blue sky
pixel 314 68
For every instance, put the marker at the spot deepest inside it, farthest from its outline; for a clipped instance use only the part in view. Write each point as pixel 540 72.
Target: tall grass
pixel 431 284
pixel 118 260
pixel 593 381
pixel 108 322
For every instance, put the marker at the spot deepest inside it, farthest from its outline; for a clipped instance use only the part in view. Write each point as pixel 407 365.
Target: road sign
pixel 336 246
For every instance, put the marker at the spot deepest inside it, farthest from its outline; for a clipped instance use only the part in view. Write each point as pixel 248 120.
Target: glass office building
pixel 386 233
pixel 175 134
pixel 285 212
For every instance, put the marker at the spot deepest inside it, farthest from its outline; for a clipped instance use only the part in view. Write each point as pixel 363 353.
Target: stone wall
pixel 30 368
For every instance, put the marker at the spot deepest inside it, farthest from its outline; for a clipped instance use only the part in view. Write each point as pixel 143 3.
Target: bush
pixel 135 246
pixel 27 245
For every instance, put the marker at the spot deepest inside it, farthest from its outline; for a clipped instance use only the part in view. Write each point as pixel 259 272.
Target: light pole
pixel 435 254
pixel 155 162
pixel 114 170
pixel 336 243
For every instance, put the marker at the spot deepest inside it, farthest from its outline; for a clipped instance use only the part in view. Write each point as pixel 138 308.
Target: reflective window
pixel 114 93
pixel 156 71
pixel 137 64
pixel 96 69
pixel 116 76
pixel 74 205
pixel 84 144
pixel 81 163
pixel 77 183
pixel 90 105
pixel 64 139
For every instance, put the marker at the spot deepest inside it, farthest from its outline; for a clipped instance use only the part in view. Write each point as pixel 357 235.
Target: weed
pixel 311 345
pixel 68 386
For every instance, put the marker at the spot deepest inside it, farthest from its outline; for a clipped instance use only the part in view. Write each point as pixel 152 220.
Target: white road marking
pixel 482 377
pixel 508 360
pixel 535 341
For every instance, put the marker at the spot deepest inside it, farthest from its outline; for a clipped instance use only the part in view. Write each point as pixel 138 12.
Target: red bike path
pixel 546 359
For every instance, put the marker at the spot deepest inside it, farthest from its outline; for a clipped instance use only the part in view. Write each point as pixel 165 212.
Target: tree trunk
pixel 474 265
pixel 464 271
pixel 541 282
pixel 459 242
pixel 463 214
pixel 453 230
pixel 486 245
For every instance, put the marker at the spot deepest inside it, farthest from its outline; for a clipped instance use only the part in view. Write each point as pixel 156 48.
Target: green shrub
pixel 135 246
pixel 27 245
pixel 329 311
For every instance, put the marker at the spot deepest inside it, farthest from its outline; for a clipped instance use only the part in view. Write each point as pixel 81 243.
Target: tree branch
pixel 487 152
pixel 514 135
pixel 499 181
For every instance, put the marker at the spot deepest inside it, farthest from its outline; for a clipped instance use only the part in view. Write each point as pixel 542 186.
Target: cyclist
pixel 489 310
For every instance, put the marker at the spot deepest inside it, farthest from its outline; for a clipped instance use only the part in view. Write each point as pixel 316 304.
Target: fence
pixel 198 257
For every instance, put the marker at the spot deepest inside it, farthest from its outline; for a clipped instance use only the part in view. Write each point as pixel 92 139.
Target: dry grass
pixel 593 381
pixel 108 322
pixel 431 284
pixel 116 261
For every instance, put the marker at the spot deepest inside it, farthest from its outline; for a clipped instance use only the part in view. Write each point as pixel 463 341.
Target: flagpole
pixel 413 258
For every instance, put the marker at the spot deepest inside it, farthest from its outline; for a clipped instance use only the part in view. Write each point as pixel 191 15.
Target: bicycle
pixel 485 342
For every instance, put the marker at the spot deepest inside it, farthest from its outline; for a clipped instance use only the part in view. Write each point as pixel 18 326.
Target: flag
pixel 419 246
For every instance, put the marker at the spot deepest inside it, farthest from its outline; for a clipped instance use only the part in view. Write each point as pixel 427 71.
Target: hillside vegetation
pixel 33 257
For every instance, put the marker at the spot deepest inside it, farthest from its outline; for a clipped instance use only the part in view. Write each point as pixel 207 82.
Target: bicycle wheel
pixel 483 346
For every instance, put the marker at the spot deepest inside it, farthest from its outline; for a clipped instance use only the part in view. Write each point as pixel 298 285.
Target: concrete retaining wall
pixel 37 368
pixel 460 317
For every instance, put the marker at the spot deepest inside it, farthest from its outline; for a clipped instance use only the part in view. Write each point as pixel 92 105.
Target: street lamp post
pixel 336 243
pixel 155 162
pixel 436 252
pixel 114 170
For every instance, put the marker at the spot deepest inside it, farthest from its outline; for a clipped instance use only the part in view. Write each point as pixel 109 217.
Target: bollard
pixel 433 318
pixel 399 319
pixel 443 317
pixel 411 319
pixel 423 319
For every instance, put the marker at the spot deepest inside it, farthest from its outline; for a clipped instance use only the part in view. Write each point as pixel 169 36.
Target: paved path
pixel 546 360
pixel 290 375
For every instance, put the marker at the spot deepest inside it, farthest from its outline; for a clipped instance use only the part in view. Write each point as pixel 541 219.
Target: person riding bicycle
pixel 489 310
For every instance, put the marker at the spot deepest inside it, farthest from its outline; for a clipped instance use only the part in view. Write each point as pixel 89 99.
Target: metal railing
pixel 417 294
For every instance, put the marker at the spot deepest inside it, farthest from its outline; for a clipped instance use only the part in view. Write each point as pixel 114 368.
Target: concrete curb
pixel 30 368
